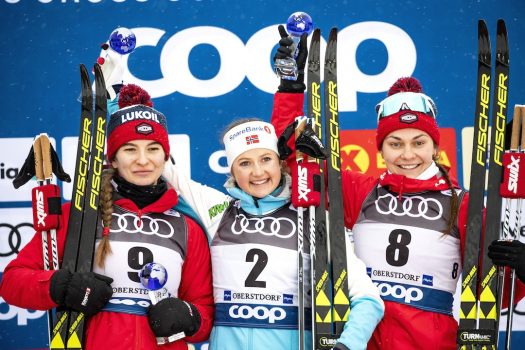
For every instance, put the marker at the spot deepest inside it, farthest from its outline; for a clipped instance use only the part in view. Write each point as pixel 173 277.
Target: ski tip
pixel 502 30
pixel 482 25
pixel 85 84
pixel 314 50
pixel 501 25
pixel 484 51
pixel 83 70
pixel 502 43
pixel 316 34
pixel 97 68
pixel 99 76
pixel 333 34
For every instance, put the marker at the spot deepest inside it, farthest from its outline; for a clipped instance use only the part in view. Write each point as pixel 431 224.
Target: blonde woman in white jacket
pixel 253 234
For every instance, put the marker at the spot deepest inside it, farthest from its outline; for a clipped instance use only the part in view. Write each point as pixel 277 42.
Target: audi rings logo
pixel 267 226
pixel 130 223
pixel 413 206
pixel 259 312
pixel 14 238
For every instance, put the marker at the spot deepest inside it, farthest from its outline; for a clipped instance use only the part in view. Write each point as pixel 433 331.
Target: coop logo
pixel 176 75
pixel 400 292
pixel 273 314
pixel 22 315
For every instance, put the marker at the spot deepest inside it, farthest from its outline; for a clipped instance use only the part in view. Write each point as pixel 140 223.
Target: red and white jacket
pixel 26 284
pixel 398 226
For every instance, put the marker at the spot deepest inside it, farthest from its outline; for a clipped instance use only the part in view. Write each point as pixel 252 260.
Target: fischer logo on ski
pixel 479 308
pixel 68 331
pixel 483 120
pixel 82 163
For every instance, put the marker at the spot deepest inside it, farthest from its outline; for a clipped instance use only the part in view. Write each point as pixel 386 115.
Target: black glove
pixel 284 51
pixel 509 253
pixel 340 346
pixel 172 315
pixel 86 292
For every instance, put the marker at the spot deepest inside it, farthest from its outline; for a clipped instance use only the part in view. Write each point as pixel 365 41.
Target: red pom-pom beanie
pixel 136 120
pixel 406 107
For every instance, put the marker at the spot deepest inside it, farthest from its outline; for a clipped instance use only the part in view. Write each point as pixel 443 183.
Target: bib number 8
pixel 397 251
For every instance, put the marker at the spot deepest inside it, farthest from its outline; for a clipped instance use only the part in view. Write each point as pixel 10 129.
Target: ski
pixel 302 184
pixel 68 329
pixel 488 312
pixel 61 323
pixel 336 228
pixel 513 194
pixel 44 174
pixel 479 308
pixel 468 334
pixel 319 273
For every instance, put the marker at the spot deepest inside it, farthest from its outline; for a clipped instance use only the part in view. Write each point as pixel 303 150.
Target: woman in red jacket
pixel 138 226
pixel 408 225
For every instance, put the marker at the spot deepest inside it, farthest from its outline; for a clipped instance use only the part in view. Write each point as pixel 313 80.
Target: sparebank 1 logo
pixel 177 77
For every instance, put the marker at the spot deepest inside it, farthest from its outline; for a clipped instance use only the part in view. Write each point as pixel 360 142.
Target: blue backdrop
pixel 209 62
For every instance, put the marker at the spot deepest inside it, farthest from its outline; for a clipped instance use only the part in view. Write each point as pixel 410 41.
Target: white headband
pixel 249 135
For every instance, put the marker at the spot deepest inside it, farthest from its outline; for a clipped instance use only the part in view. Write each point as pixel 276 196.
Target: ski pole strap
pixel 307 189
pixel 309 143
pixel 27 171
pixel 46 207
pixel 282 143
pixel 57 166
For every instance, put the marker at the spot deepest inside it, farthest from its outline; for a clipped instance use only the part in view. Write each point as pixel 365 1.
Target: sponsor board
pixel 12 161
pixel 359 151
pixel 14 153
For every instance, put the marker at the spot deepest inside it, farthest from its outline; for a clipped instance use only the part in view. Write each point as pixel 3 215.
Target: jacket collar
pixel 261 206
pixel 430 180
pixel 167 201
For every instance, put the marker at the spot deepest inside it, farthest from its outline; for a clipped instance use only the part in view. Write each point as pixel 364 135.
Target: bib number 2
pixel 260 264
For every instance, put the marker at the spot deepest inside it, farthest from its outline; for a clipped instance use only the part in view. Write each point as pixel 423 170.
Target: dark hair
pixel 454 200
pixel 106 211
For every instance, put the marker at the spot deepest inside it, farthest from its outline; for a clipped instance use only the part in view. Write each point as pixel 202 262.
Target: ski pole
pixel 513 195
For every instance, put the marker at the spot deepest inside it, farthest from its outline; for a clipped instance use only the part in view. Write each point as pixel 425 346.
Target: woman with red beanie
pixel 408 225
pixel 139 224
